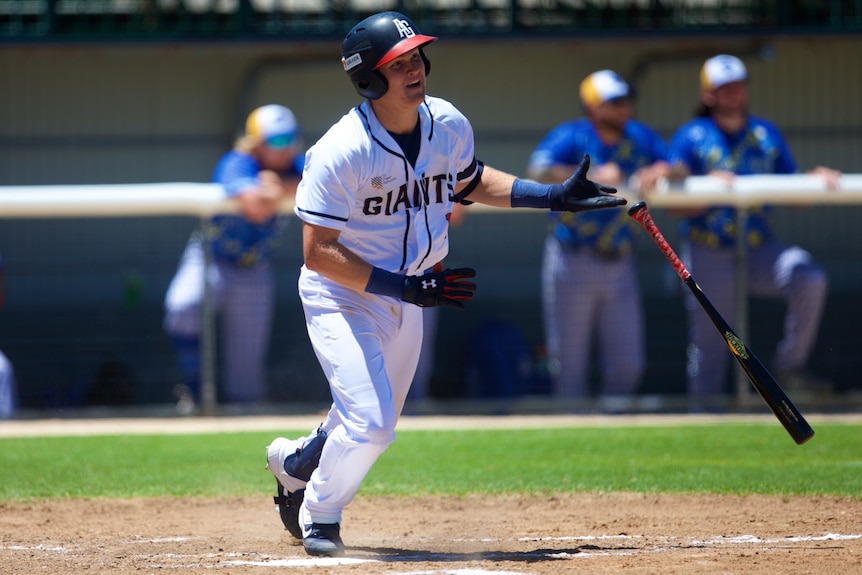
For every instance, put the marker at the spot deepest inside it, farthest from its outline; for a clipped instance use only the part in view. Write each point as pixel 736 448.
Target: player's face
pixel 277 158
pixel 614 113
pixel 731 97
pixel 406 78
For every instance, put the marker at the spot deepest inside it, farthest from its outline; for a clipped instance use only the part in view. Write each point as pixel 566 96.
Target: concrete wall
pixel 142 113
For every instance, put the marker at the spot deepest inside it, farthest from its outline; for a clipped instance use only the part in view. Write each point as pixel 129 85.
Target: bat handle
pixel 641 215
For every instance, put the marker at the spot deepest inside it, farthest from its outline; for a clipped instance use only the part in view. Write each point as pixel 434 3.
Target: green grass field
pixel 722 458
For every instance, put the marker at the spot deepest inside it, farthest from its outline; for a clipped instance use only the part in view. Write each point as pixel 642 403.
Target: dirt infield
pixel 487 535
pixel 582 533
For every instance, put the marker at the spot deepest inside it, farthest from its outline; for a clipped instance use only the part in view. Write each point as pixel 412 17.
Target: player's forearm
pixel 576 194
pixel 495 189
pixel 322 253
pixel 552 174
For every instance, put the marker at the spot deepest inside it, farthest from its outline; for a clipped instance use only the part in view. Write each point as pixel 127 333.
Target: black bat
pixel 775 397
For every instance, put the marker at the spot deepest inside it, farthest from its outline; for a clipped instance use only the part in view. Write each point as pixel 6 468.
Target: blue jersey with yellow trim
pixel 759 148
pixel 231 237
pixel 607 231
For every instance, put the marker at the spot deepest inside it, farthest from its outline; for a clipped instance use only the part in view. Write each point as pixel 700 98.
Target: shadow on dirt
pixel 395 555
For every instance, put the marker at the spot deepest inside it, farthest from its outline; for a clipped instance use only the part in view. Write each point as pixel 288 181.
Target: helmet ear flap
pixel 372 86
pixel 426 60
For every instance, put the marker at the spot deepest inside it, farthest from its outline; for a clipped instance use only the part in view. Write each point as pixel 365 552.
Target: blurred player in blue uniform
pixel 724 141
pixel 261 170
pixel 589 280
pixel 8 391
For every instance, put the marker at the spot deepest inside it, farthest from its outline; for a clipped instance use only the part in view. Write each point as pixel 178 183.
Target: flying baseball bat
pixel 775 397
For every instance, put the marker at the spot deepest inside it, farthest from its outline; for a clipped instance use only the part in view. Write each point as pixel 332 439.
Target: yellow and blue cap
pixel 720 70
pixel 604 86
pixel 274 124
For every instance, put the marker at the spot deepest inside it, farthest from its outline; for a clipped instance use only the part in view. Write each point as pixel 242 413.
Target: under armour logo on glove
pixel 440 288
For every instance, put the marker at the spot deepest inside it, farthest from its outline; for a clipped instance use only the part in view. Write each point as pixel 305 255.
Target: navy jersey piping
pixel 322 215
pixel 395 153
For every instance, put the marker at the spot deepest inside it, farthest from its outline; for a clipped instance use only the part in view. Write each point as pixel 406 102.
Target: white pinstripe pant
pixel 586 297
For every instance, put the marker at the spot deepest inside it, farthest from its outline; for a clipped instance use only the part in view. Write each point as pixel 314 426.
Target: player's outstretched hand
pixel 578 194
pixel 440 288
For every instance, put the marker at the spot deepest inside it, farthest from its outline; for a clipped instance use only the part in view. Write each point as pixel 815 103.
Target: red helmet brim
pixel 403 47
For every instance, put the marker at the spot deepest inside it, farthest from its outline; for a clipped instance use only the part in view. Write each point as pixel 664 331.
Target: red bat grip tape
pixel 641 215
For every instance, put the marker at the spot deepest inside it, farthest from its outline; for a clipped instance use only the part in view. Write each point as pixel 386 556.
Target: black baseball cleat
pixel 324 539
pixel 288 509
pixel 288 501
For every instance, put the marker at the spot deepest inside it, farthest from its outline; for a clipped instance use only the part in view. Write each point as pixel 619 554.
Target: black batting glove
pixel 578 194
pixel 440 288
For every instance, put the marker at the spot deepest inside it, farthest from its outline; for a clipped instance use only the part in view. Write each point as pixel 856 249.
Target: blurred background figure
pixel 232 254
pixel 589 281
pixel 8 392
pixel 724 141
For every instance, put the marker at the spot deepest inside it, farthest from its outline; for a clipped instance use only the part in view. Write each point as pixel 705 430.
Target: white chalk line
pixel 777 540
pixel 178 539
pixel 310 562
pixel 336 561
pixel 53 548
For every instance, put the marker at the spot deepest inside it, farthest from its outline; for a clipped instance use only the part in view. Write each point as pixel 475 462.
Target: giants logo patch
pixel 426 191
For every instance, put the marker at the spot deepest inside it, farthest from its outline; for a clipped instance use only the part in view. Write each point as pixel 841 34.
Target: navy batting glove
pixel 440 288
pixel 578 194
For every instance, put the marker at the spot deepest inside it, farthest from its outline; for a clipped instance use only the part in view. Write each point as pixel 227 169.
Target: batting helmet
pixel 375 41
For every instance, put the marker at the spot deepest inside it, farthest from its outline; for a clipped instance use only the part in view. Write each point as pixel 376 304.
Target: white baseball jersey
pixel 393 216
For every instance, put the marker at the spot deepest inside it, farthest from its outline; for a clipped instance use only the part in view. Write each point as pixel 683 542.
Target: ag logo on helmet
pixel 404 29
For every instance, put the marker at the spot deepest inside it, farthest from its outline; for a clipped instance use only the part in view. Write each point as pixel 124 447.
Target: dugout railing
pixel 190 20
pixel 44 208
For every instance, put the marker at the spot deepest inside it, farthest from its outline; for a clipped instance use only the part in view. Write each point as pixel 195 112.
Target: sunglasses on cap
pixel 281 142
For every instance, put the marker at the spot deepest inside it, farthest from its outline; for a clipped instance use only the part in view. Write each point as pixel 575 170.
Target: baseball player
pixel 260 171
pixel 725 141
pixel 589 280
pixel 8 391
pixel 375 200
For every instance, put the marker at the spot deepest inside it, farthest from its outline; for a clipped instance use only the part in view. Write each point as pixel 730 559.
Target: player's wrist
pixel 382 282
pixel 528 194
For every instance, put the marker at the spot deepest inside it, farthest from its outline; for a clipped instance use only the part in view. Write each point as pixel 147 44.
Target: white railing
pixel 113 200
pixel 202 199
pixel 747 191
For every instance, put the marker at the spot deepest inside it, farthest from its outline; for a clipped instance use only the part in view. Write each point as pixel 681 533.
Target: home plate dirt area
pixel 488 535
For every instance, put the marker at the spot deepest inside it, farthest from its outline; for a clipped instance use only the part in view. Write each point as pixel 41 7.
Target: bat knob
pixel 637 207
